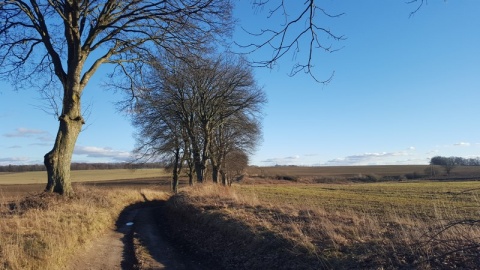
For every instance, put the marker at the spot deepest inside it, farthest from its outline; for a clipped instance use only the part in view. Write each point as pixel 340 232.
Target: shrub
pixel 366 178
pixel 287 177
pixel 414 175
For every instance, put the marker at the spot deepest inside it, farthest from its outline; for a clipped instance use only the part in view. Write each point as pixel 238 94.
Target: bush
pixel 287 177
pixel 366 178
pixel 414 175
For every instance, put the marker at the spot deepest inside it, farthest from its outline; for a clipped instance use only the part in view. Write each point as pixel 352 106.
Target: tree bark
pixel 58 160
pixel 176 170
pixel 215 170
pixel 198 168
pixel 224 178
pixel 197 161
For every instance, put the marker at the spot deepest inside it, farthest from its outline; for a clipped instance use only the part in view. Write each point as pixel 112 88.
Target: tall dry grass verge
pixel 43 231
pixel 221 225
pixel 244 231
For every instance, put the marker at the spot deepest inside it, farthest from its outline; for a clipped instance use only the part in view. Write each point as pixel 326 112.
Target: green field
pixel 421 198
pixel 81 176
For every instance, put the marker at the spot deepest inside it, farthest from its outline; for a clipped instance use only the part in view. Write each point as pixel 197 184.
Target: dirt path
pixel 138 242
pixel 112 250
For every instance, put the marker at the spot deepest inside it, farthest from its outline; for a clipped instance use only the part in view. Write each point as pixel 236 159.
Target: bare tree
pixel 210 99
pixel 228 97
pixel 159 136
pixel 233 140
pixel 235 163
pixel 158 118
pixel 447 163
pixel 66 41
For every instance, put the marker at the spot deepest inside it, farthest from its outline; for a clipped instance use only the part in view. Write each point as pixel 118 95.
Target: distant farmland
pixel 378 172
pixel 40 177
pixel 384 172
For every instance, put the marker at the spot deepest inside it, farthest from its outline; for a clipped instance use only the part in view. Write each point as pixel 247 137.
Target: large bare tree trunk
pixel 225 181
pixel 58 160
pixel 177 167
pixel 215 170
pixel 198 164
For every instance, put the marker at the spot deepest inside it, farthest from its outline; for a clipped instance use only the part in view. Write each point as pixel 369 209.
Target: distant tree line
pixel 84 166
pixel 449 163
pixel 458 161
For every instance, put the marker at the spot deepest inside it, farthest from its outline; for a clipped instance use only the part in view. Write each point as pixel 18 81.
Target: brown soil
pixel 11 192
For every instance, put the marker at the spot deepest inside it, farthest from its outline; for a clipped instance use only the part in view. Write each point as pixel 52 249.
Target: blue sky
pixel 405 89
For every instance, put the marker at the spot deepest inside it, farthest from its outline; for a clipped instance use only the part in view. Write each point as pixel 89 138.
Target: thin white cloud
pixel 50 144
pixel 290 160
pixel 375 158
pixel 103 152
pixel 25 132
pixel 43 137
pixel 462 144
pixel 15 147
pixel 46 138
pixel 14 160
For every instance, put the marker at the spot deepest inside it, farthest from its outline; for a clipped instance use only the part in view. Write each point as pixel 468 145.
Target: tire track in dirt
pixel 112 250
pixel 141 245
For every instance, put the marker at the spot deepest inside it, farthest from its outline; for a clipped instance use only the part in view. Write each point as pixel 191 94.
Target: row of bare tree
pixel 197 112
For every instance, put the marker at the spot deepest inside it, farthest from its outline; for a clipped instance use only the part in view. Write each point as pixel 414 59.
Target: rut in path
pixel 138 242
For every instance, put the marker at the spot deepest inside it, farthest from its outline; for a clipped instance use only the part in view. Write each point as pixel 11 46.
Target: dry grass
pixel 217 223
pixel 409 225
pixel 42 231
pixel 82 176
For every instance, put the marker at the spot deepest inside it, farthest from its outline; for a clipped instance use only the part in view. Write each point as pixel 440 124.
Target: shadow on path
pixel 146 241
